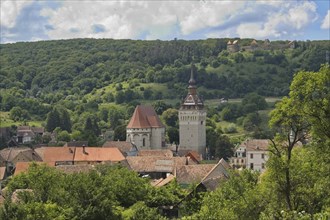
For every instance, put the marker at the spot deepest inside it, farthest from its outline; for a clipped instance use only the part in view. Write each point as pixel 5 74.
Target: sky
pixel 34 20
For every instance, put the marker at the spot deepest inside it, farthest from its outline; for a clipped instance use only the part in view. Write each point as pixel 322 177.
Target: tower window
pixel 202 122
pixel 144 142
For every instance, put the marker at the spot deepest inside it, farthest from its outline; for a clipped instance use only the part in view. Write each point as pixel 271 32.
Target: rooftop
pixel 145 117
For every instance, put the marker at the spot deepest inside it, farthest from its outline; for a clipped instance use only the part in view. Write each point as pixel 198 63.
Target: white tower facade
pixel 192 118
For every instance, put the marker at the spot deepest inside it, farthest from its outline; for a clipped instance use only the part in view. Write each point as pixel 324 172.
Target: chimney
pixel 187 160
pixel 84 149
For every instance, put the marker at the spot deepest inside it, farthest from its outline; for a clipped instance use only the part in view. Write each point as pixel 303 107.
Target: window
pixel 251 166
pixel 262 156
pixel 242 161
pixel 262 166
pixel 251 156
pixel 144 142
pixel 201 122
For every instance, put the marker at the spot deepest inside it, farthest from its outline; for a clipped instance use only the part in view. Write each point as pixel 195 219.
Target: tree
pixel 120 133
pixel 170 117
pixel 251 121
pixel 53 120
pixel 160 106
pixel 237 198
pixel 64 136
pixel 254 98
pixel 65 120
pixel 306 109
pixel 91 131
pixel 173 135
pixel 18 114
pixel 115 116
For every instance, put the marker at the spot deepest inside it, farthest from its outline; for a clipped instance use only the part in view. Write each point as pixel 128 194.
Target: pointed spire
pixel 192 81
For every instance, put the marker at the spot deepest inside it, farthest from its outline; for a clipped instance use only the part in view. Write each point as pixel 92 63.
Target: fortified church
pixel 146 130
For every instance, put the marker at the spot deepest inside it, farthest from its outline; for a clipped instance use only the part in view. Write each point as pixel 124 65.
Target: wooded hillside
pixel 86 77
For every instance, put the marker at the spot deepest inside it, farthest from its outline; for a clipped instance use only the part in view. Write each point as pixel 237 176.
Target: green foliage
pixel 139 211
pixel 120 133
pixel 251 121
pixel 58 117
pixel 218 145
pixel 63 136
pixel 19 114
pixel 103 193
pixel 170 117
pixel 231 128
pixel 237 198
pixel 257 100
pixel 173 135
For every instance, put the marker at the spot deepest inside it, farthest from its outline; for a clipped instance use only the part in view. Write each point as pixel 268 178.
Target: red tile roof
pixel 216 175
pixel 155 153
pixel 256 144
pixel 23 166
pixel 98 154
pixel 52 154
pixel 155 164
pixel 145 117
pixel 123 146
pixel 189 174
pixel 9 154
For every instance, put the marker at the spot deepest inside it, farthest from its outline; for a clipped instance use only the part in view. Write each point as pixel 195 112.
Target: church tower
pixel 192 118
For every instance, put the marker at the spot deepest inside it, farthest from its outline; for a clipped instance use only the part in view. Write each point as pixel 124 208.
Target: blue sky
pixel 165 20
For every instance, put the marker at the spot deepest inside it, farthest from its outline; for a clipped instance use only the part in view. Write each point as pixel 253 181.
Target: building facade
pixel 251 154
pixel 192 118
pixel 145 129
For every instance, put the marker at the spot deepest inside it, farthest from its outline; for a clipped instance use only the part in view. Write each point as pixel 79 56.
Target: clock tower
pixel 192 118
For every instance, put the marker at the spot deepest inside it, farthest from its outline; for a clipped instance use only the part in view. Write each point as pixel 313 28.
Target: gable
pixel 145 117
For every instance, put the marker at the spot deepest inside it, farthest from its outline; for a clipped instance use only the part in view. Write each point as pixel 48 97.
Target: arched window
pixel 143 142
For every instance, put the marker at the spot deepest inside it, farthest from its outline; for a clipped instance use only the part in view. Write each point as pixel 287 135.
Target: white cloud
pixel 169 19
pixel 128 19
pixel 282 20
pixel 9 11
pixel 326 21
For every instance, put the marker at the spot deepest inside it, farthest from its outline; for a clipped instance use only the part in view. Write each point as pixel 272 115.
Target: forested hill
pixel 49 71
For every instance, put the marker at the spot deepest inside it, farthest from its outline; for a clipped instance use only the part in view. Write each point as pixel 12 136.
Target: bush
pixel 231 128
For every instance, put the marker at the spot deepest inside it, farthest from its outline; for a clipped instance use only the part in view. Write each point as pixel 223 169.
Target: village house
pixel 97 155
pixel 26 134
pixel 9 157
pixel 79 155
pixel 57 155
pixel 251 154
pixel 233 47
pixel 145 129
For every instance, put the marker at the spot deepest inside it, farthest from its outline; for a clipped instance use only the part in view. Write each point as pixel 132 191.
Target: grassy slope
pixel 5 121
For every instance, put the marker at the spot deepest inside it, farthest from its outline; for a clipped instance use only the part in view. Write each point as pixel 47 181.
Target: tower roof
pixel 192 99
pixel 192 80
pixel 145 117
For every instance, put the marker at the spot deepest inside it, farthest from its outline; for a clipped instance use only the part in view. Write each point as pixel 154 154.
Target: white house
pixel 251 154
